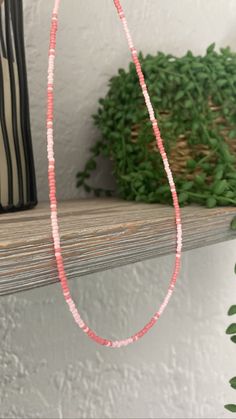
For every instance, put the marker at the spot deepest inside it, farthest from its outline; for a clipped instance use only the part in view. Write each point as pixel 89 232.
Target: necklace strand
pixel 52 187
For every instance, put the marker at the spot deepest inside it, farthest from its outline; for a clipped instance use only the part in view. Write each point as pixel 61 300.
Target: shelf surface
pixel 99 234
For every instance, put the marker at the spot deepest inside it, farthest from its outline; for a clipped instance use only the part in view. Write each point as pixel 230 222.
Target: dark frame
pixel 13 49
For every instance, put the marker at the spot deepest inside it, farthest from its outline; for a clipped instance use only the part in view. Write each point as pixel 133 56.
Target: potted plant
pixel 195 102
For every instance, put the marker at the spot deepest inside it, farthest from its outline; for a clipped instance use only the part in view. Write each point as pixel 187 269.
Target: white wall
pixel 48 368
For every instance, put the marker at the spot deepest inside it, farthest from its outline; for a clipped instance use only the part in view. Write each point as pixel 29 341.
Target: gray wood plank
pixel 99 234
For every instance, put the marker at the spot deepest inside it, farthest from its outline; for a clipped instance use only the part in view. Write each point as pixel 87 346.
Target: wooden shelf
pixel 99 234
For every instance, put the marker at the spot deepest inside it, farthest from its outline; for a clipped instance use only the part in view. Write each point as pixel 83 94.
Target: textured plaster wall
pixel 48 369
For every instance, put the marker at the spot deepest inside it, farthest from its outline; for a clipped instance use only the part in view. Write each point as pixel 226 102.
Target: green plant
pixel 194 97
pixel 231 330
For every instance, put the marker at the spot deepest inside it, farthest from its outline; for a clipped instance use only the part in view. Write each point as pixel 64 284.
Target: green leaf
pixel 233 224
pixel 179 95
pixel 219 174
pixel 229 158
pixel 191 164
pixel 164 188
pixel 231 407
pixel 80 174
pixel 221 82
pixel 206 166
pixel 213 142
pixel 230 194
pixel 87 188
pixel 183 197
pixel 79 183
pixel 233 338
pixel 200 179
pixel 235 268
pixel 222 201
pixel 196 125
pixel 190 85
pixel 187 186
pixel 231 175
pixel 198 65
pixel 220 187
pixel 225 51
pixel 233 382
pixel 226 111
pixel 232 134
pixel 211 48
pixel 232 310
pixel 188 104
pixel 90 165
pixel 231 330
pixel 202 76
pixel 211 202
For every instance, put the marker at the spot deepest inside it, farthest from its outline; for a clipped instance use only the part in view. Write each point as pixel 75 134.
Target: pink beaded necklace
pixel 52 187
